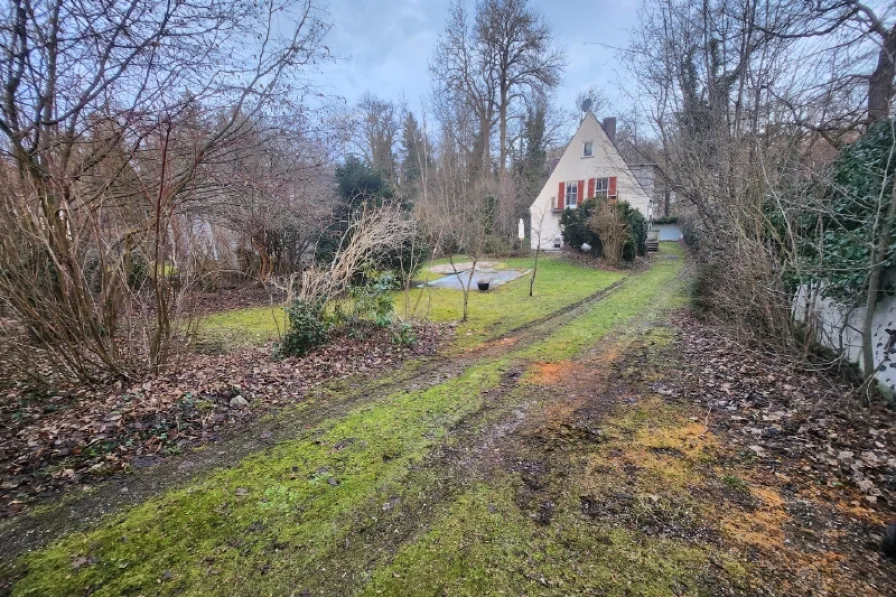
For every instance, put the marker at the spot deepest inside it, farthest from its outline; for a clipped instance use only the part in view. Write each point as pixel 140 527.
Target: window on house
pixel 572 194
pixel 588 149
pixel 601 187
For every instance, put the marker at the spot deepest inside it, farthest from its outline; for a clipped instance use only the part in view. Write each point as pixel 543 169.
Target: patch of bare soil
pixel 81 435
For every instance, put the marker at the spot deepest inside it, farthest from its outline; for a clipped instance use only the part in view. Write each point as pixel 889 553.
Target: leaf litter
pixel 82 434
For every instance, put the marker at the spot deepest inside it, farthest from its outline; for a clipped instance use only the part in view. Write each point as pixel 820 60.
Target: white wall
pixel 605 162
pixel 668 231
pixel 840 330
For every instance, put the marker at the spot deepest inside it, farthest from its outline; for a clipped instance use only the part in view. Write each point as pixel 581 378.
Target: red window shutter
pixel 581 194
pixel 591 183
pixel 612 190
pixel 561 196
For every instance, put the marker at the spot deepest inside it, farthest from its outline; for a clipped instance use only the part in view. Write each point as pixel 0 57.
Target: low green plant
pixel 403 333
pixel 372 301
pixel 306 330
pixel 736 484
pixel 370 304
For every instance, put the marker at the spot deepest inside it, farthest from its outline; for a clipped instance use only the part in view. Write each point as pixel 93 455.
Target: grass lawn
pixel 243 327
pixel 559 283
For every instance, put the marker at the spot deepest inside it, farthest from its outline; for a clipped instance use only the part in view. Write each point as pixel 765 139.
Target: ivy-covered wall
pixel 833 218
pixel 830 224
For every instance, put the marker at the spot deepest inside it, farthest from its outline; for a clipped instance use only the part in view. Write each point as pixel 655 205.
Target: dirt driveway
pixel 573 456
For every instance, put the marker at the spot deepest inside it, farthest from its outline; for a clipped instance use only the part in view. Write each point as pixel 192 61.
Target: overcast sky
pixel 386 45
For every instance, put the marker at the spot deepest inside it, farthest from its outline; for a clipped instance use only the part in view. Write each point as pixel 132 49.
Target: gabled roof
pixel 612 140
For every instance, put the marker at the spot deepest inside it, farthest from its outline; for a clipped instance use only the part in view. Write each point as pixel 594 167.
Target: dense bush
pixel 574 223
pixel 307 328
pixel 690 234
pixel 701 288
pixel 636 244
pixel 361 186
pixel 666 220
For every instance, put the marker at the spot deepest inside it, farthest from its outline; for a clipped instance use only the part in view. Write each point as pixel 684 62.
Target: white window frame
pixel 571 197
pixel 585 146
pixel 602 187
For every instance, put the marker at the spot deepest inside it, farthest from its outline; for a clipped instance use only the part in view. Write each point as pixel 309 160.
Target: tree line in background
pixel 772 124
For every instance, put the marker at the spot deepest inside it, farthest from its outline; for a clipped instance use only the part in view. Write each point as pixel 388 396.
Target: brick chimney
pixel 610 127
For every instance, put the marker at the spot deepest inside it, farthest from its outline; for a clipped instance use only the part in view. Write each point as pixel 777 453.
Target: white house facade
pixel 591 166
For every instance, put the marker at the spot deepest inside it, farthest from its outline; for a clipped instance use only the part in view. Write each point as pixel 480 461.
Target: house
pixel 590 166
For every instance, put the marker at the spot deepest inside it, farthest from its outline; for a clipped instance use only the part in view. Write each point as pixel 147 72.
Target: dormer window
pixel 588 149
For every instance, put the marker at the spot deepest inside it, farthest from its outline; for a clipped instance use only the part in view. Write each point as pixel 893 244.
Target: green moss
pixel 486 545
pixel 559 283
pixel 642 299
pixel 298 498
pixel 243 327
pixel 273 523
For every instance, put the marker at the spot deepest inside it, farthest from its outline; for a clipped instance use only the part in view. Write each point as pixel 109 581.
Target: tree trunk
pixel 880 84
pixel 534 269
pixel 502 152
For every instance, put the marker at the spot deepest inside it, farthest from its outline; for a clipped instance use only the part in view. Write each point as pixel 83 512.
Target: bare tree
pixel 95 122
pixel 273 194
pixel 519 42
pixel 487 68
pixel 751 102
pixel 466 85
pixel 372 230
pixel 379 123
pixel 536 234
pixel 454 210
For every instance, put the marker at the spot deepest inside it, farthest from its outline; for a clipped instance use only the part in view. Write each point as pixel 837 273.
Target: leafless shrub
pixel 372 231
pixel 105 158
pixel 747 99
pixel 609 225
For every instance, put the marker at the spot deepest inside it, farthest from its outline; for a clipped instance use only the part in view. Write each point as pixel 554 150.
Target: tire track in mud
pixel 497 439
pixel 72 512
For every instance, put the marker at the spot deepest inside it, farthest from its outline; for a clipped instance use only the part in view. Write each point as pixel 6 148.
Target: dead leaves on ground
pixel 82 434
pixel 785 417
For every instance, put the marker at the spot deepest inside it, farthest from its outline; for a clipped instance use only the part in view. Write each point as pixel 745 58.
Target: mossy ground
pixel 547 467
